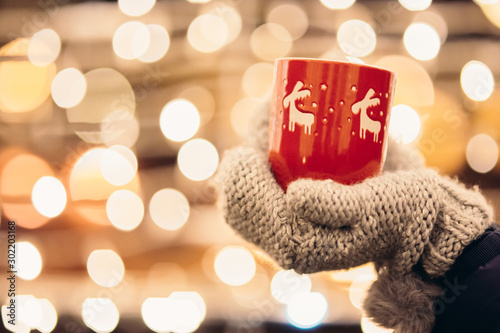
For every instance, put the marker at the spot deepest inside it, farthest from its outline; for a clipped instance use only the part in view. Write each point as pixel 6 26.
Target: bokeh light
pixel 49 316
pixel 349 275
pixel 286 283
pixel 198 159
pixel 179 120
pixel 29 310
pixel 444 133
pixel 118 165
pixel 477 81
pixel 49 196
pixel 44 47
pixel 270 41
pixel 422 41
pixel 232 19
pixel 169 209
pixel 338 4
pixel 202 99
pixel 281 15
pixel 368 326
pixel 414 86
pixel 240 114
pixel 23 86
pixel 359 288
pixel 306 310
pixel 234 265
pixel 207 33
pixel 356 38
pixel 68 87
pixel 136 7
pixel 29 261
pixel 89 190
pixel 192 310
pixel 436 20
pixel 125 210
pixel 404 126
pixel 258 79
pixel 415 5
pixel 158 45
pixel 19 327
pixel 20 171
pixel 180 312
pixel 119 128
pixel 100 314
pixel 131 40
pixel 108 98
pixel 482 153
pixel 105 268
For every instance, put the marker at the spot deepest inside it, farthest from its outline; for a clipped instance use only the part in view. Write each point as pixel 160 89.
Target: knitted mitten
pixel 397 219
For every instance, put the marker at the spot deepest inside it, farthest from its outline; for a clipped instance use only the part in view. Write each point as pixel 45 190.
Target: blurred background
pixel 114 116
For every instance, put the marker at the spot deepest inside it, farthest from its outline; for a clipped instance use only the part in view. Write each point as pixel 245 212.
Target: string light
pixel 108 98
pixel 477 81
pixel 179 120
pixel 405 125
pixel 338 4
pixel 49 316
pixel 169 209
pixel 118 165
pixel 482 153
pixel 234 265
pixel 44 47
pixel 286 283
pixel 29 261
pixel 281 15
pixel 368 326
pixel 105 268
pixel 100 314
pixel 180 312
pixel 306 310
pixel 158 45
pixel 136 7
pixel 49 196
pixel 422 41
pixel 198 159
pixel 131 40
pixel 270 41
pixel 125 210
pixel 415 5
pixel 202 99
pixel 68 87
pixel 207 33
pixel 356 38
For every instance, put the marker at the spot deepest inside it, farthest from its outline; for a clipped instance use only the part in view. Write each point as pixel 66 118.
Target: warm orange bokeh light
pixel 19 171
pixel 90 191
pixel 23 86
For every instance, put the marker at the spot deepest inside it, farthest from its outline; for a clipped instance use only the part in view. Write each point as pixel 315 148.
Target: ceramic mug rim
pixel 334 62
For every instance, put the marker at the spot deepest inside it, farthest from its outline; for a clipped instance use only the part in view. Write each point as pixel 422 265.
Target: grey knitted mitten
pixel 397 219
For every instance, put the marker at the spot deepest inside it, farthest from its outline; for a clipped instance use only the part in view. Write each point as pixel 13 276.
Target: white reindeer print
pixel 297 116
pixel 366 123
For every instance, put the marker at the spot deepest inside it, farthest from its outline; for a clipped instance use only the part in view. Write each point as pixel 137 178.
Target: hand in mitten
pixel 397 219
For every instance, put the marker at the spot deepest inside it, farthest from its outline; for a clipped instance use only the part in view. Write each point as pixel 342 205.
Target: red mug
pixel 329 120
